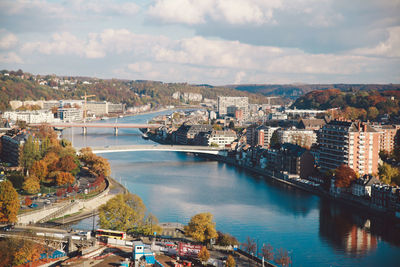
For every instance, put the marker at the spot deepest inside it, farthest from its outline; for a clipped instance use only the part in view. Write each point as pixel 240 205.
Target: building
pixel 116 108
pixel 264 134
pixel 221 138
pixel 11 147
pixel 311 124
pixel 362 187
pixel 33 116
pixel 186 133
pixel 355 144
pixel 386 197
pixel 70 114
pixel 277 116
pixel 241 103
pixel 142 253
pixel 290 158
pixel 388 135
pixel 301 137
pixel 97 108
pixel 251 135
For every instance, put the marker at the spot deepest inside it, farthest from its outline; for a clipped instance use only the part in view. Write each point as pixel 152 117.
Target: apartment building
pixel 388 134
pixel 355 144
pixel 70 114
pixel 34 116
pixel 241 103
pixel 301 137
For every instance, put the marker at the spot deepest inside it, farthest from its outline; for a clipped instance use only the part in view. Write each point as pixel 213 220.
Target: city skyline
pixel 215 42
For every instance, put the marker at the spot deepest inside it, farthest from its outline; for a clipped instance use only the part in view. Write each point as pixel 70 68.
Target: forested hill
pixel 353 105
pixel 295 90
pixel 24 86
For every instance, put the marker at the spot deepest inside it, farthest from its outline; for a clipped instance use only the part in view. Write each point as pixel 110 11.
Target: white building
pixel 264 134
pixel 242 103
pixel 34 116
pixel 299 137
pixel 222 138
pixel 70 114
pixel 277 116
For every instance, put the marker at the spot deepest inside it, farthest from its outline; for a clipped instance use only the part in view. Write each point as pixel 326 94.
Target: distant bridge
pixel 114 126
pixel 156 147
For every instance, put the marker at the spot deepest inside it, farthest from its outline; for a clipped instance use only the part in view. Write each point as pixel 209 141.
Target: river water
pixel 175 186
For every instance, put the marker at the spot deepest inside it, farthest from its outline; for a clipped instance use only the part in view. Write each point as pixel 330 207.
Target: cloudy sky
pixel 205 41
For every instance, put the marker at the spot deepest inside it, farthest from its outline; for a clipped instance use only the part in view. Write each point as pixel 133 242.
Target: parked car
pixel 33 205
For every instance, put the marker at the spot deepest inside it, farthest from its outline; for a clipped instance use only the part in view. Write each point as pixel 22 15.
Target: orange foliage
pixel 64 178
pixel 344 175
pixel 28 201
pixel 66 163
pixel 39 169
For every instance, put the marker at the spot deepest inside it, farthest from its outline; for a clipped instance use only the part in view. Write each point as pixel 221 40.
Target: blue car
pixel 33 205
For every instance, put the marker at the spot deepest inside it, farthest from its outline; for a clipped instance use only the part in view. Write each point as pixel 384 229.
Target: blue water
pixel 175 186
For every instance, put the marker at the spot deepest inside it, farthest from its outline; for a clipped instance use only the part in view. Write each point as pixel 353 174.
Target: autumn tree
pixel 267 252
pixel 225 239
pixel 250 246
pixel 64 178
pixel 283 258
pixel 31 185
pixel 39 170
pixel 28 201
pixel 123 212
pixel 201 227
pixel 9 203
pixel 67 164
pixel 372 113
pixel 388 174
pixel 204 255
pixel 230 261
pixel 344 175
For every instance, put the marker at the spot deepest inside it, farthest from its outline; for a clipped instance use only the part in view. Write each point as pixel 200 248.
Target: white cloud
pixel 10 58
pixel 388 48
pixel 229 11
pixel 104 7
pixel 7 40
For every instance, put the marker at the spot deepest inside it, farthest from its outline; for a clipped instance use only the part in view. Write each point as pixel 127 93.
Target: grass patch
pixel 66 216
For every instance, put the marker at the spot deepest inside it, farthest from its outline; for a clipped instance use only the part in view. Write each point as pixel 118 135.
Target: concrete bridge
pixel 114 126
pixel 157 147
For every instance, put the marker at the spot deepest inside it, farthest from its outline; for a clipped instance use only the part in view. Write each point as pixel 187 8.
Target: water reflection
pixel 355 234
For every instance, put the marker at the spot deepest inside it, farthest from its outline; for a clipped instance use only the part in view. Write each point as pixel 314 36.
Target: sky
pixel 215 42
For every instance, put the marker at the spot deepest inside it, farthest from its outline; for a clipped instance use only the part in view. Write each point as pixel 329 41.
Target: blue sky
pixel 205 41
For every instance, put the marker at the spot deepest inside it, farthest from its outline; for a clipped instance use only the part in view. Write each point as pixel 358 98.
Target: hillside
pixel 24 86
pixel 365 105
pixel 295 90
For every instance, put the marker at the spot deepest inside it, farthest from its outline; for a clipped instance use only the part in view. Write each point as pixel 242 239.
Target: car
pixel 33 205
pixel 7 227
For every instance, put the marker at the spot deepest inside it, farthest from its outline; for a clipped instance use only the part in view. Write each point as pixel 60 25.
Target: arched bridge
pixel 156 147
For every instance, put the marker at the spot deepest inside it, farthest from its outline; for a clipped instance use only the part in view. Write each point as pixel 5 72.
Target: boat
pixel 104 118
pixel 145 136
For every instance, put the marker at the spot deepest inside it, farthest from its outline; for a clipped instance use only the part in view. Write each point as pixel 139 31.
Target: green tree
pixel 16 178
pixel 204 255
pixel 230 261
pixel 9 203
pixel 30 153
pixel 201 227
pixel 274 141
pixel 387 173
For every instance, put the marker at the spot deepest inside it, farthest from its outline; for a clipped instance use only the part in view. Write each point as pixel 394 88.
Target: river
pixel 175 186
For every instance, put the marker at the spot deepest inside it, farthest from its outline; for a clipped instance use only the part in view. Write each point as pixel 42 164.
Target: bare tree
pixel 283 258
pixel 250 246
pixel 268 252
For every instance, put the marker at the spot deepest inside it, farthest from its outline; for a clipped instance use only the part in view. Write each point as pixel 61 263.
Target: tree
pixel 31 185
pixel 16 178
pixel 226 239
pixel 28 201
pixel 230 261
pixel 39 170
pixel 204 255
pixel 30 152
pixel 372 113
pixel 283 258
pixel 387 173
pixel 217 127
pixel 250 246
pixel 268 252
pixel 231 125
pixel 123 213
pixel 67 164
pixel 344 175
pixel 64 178
pixel 9 203
pixel 201 227
pixel 274 141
